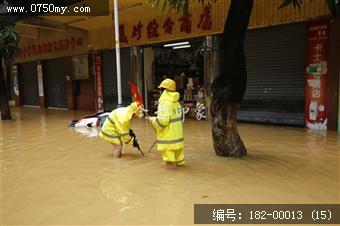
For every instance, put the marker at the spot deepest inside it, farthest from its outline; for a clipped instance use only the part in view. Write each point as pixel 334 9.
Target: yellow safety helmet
pixel 168 84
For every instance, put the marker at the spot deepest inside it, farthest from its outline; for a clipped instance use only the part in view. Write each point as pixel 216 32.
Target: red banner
pixel 317 73
pixel 135 94
pixel 99 83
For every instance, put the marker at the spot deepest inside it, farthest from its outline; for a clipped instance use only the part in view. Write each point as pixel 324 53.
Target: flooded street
pixel 55 175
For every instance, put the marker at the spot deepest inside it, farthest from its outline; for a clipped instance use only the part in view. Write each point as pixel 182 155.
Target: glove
pixel 135 143
pixel 132 134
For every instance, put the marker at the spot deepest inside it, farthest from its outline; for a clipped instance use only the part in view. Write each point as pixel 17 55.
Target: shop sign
pixel 49 47
pixel 99 82
pixel 153 29
pixel 137 31
pixel 168 25
pixel 205 19
pixel 185 23
pixel 122 35
pixel 156 28
pixel 316 78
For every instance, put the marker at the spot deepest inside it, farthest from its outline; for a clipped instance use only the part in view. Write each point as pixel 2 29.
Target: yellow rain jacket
pixel 117 125
pixel 169 125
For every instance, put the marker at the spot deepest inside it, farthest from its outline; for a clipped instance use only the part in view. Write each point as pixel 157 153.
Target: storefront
pixel 276 50
pixel 83 81
pixel 55 83
pixel 28 84
pixel 181 61
pixel 110 78
pixel 276 59
pixel 184 65
pixel 53 71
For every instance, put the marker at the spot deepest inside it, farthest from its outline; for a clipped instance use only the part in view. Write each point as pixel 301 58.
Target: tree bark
pixel 229 86
pixel 227 141
pixel 5 110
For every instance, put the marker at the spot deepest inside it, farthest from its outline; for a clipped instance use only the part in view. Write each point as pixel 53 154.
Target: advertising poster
pixel 80 67
pixel 316 78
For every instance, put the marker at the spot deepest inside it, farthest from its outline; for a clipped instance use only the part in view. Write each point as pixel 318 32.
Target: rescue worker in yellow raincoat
pixel 116 128
pixel 169 124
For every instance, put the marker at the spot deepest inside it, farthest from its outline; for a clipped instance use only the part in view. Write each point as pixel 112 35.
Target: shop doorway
pixel 276 59
pixel 181 61
pixel 110 78
pixel 29 91
pixel 55 83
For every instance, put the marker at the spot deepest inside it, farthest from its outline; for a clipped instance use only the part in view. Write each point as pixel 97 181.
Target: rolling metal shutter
pixel 276 75
pixel 29 84
pixel 54 77
pixel 110 78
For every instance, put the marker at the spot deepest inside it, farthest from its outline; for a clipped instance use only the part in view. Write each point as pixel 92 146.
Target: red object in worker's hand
pixel 135 94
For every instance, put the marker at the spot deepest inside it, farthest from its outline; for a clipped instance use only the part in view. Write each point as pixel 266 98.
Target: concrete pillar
pixel 71 99
pixel 148 58
pixel 15 78
pixel 41 85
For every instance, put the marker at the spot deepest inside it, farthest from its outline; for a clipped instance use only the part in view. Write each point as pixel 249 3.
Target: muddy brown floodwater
pixel 56 175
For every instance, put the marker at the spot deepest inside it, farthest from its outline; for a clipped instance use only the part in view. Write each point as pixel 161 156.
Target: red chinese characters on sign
pixel 137 31
pixel 73 42
pixel 79 42
pixel 153 29
pixel 168 25
pixel 43 48
pixel 186 23
pixel 205 19
pixel 39 49
pixel 33 50
pixel 316 78
pixel 122 35
pixel 205 22
pixel 99 83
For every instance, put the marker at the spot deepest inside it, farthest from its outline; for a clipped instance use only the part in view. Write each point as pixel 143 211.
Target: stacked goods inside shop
pixel 185 67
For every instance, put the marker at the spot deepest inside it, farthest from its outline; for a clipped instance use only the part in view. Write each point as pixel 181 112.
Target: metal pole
pixel 152 145
pixel 116 24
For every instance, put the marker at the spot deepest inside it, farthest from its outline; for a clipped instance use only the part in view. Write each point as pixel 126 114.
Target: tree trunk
pixel 229 86
pixel 227 141
pixel 5 110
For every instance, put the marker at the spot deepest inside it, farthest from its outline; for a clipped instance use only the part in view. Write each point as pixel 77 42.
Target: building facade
pixel 291 80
